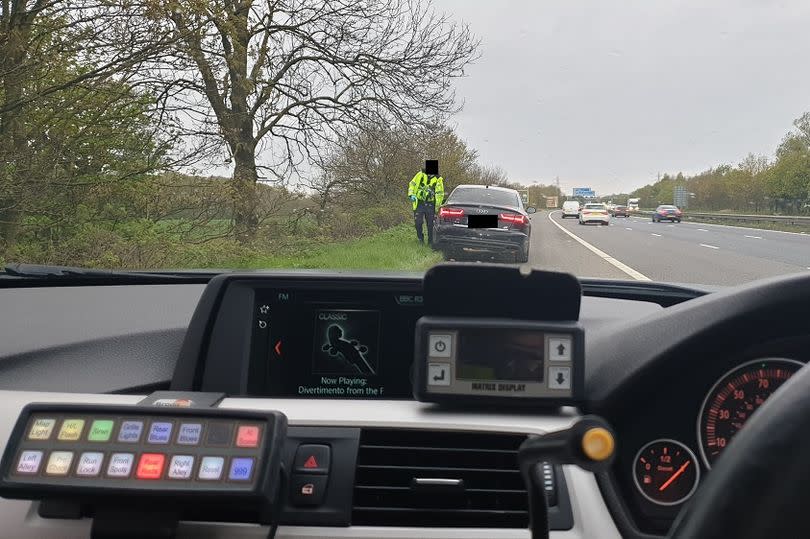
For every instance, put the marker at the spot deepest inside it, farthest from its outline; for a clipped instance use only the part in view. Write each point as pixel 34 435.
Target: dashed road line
pixel 656 235
pixel 753 237
pixel 628 228
pixel 702 230
pixel 709 246
pixel 600 253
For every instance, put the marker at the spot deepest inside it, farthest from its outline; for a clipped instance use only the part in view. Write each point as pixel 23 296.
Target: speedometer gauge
pixel 732 400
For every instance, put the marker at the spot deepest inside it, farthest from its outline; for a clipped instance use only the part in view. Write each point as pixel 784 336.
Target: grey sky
pixel 607 94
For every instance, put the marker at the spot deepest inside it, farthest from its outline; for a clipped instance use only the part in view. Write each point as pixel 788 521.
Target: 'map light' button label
pixel 41 429
pixel 160 433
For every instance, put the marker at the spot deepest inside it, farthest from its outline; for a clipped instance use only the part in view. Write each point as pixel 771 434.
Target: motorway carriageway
pixel 686 252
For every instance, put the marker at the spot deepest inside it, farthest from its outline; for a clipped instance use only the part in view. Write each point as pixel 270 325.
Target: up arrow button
pixel 559 348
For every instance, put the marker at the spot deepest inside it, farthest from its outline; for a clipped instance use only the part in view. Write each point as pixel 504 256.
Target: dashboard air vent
pixel 439 478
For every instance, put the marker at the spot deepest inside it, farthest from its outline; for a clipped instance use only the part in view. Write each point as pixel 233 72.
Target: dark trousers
pixel 424 211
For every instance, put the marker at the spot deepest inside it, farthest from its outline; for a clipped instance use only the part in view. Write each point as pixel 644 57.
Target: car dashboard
pixel 271 341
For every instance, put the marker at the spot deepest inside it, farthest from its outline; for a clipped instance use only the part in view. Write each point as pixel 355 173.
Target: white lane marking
pixel 628 228
pixel 754 237
pixel 600 253
pixel 709 246
pixel 702 229
pixel 656 235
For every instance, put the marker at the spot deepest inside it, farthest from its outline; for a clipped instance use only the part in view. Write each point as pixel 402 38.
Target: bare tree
pixel 277 81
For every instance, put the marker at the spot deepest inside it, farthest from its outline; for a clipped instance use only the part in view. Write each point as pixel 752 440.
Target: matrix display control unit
pixel 523 362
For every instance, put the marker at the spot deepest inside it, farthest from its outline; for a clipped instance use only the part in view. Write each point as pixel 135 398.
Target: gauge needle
pixel 674 476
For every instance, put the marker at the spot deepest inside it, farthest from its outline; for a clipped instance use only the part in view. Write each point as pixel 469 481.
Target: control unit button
pixel 241 469
pixel 160 432
pixel 189 433
pixel 29 462
pixel 100 430
pixel 211 468
pixel 120 464
pixel 559 348
pixel 41 429
pixel 219 434
pixel 559 377
pixel 440 345
pixel 438 374
pixel 181 467
pixel 150 466
pixel 247 436
pixel 89 464
pixel 308 490
pixel 130 431
pixel 312 458
pixel 71 430
pixel 59 463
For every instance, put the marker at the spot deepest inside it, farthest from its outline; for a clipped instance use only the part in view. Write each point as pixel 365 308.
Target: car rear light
pixel 451 213
pixel 514 218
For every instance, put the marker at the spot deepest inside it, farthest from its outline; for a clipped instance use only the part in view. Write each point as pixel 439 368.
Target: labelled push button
pixel 89 464
pixel 189 433
pixel 312 458
pixel 181 467
pixel 100 430
pixel 71 430
pixel 120 465
pixel 150 466
pixel 248 436
pixel 130 431
pixel 29 462
pixel 241 469
pixel 559 377
pixel 308 490
pixel 211 468
pixel 41 429
pixel 440 345
pixel 160 432
pixel 59 463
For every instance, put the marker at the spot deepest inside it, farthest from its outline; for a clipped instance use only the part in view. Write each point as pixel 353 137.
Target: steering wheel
pixel 760 488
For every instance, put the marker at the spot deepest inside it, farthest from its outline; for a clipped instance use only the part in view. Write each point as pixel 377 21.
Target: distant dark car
pixel 667 213
pixel 620 211
pixel 481 221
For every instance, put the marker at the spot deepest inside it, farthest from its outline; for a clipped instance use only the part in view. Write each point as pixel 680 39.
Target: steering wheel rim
pixel 757 488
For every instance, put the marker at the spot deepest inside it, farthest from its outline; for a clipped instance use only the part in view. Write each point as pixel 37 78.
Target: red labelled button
pixel 247 436
pixel 150 466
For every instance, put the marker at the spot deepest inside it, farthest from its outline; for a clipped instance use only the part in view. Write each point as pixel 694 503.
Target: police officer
pixel 426 192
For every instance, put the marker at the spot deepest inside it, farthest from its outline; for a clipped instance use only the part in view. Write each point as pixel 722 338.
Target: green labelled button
pixel 101 430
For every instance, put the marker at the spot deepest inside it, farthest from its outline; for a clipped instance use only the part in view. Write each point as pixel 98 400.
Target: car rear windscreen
pixel 463 195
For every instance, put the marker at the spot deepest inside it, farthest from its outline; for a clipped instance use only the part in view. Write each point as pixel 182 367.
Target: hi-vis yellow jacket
pixel 426 189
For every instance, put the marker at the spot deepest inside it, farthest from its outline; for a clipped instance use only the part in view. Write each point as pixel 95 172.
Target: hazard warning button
pixel 312 458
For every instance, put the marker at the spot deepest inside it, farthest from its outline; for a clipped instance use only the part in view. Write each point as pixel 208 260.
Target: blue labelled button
pixel 130 431
pixel 241 469
pixel 189 433
pixel 160 433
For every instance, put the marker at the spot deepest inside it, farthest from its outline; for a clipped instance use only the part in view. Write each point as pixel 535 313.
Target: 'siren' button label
pixel 100 430
pixel 41 429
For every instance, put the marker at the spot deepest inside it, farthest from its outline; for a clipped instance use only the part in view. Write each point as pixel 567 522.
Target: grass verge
pixel 392 249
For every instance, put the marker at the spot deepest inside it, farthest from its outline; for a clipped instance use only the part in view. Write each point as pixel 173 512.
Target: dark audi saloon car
pixel 667 213
pixel 483 222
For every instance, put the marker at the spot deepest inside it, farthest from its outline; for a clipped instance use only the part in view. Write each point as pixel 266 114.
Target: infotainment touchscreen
pixel 316 343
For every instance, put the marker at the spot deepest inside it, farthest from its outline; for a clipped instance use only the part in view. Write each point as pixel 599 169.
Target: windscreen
pixel 464 195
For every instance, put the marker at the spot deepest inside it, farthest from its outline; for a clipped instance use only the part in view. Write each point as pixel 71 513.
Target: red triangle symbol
pixel 311 462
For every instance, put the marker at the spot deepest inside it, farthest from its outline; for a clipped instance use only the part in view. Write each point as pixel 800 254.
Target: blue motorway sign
pixel 584 192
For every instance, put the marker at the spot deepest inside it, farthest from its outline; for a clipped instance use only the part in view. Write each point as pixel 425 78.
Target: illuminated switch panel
pixel 161 449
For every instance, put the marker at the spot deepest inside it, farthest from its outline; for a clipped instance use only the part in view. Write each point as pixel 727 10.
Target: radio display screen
pixel 316 343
